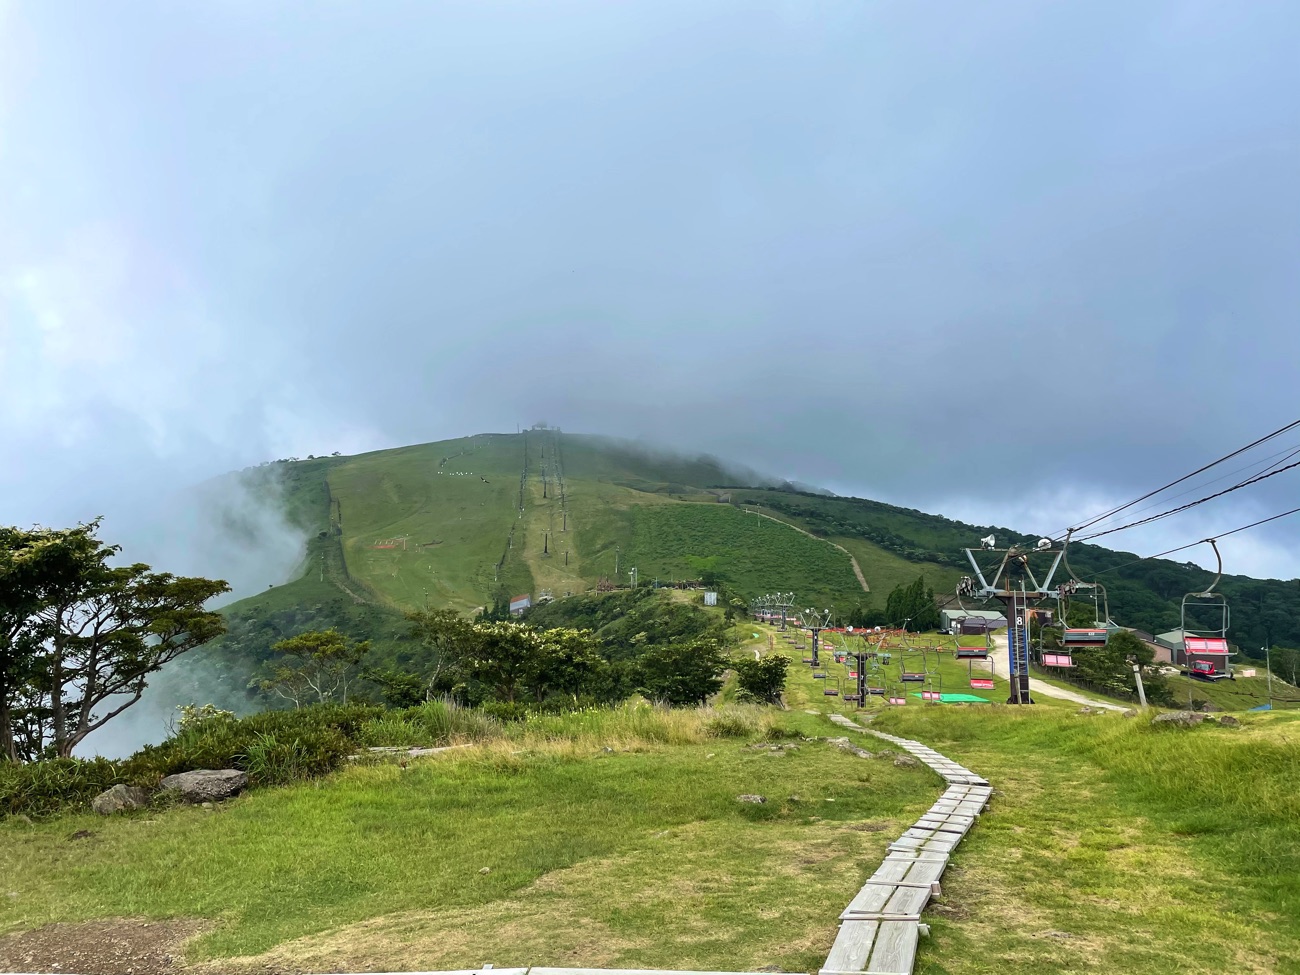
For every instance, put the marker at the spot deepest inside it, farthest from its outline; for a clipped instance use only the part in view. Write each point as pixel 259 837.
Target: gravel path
pixel 1037 686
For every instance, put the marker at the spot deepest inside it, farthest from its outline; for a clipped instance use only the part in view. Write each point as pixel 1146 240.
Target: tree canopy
pixel 79 637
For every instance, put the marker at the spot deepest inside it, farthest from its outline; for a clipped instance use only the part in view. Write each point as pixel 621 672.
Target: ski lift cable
pixel 1280 457
pixel 1200 541
pixel 1186 477
pixel 1192 504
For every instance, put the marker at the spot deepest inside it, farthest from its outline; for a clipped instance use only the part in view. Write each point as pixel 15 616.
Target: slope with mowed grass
pixel 596 839
pixel 1111 845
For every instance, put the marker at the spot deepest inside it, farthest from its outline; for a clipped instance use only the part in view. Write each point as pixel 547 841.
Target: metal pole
pixel 1268 669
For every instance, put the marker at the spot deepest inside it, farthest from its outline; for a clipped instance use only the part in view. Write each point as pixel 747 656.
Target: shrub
pixel 43 788
pixel 269 760
pixel 316 737
pixel 761 680
pixel 392 730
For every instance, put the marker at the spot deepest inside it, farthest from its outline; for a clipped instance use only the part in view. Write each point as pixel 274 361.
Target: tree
pixel 913 602
pixel 77 633
pixel 566 660
pixel 441 632
pixel 761 680
pixel 318 663
pixel 682 673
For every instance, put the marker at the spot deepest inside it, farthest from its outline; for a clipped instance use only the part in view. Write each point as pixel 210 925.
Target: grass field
pixel 607 841
pixel 1111 845
pixel 614 838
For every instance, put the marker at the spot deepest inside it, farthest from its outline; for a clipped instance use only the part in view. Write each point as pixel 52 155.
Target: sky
pixel 1010 262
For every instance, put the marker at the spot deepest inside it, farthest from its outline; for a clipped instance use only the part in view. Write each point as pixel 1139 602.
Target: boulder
pixel 906 761
pixel 1228 721
pixel 1179 719
pixel 206 785
pixel 1130 713
pixel 751 798
pixel 120 798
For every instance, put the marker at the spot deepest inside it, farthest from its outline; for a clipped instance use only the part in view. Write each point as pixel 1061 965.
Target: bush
pixel 761 680
pixel 43 788
pixel 392 731
pixel 269 760
pixel 317 738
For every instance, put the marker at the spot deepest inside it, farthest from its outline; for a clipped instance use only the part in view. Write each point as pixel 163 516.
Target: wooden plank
pixel 852 948
pixel 908 900
pixel 895 947
pixel 871 899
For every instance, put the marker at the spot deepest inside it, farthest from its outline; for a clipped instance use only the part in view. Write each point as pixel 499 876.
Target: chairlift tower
pixel 1018 587
pixel 784 600
pixel 816 620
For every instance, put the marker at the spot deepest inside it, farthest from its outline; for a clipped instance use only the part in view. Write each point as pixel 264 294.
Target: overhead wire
pixel 1192 504
pixel 1261 466
pixel 1186 477
pixel 1200 541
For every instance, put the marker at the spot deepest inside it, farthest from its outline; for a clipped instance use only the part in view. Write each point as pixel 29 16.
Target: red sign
pixel 981 684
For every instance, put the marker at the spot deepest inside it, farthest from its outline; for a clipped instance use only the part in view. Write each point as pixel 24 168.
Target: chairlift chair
pixel 913 676
pixel 1207 641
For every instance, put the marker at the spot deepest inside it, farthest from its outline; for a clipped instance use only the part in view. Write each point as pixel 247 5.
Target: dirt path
pixel 857 569
pixel 1037 686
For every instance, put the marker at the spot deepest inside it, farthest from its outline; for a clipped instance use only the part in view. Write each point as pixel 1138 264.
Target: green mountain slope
pixel 461 523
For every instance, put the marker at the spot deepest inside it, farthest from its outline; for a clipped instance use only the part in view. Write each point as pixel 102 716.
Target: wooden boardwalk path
pixel 880 928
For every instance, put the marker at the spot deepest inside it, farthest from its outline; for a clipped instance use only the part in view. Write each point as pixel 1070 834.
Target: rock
pixel 1179 719
pixel 906 761
pixel 1130 713
pixel 208 805
pixel 1084 710
pixel 485 870
pixel 749 798
pixel 120 798
pixel 1207 707
pixel 206 785
pixel 848 746
pixel 1228 721
pixel 81 834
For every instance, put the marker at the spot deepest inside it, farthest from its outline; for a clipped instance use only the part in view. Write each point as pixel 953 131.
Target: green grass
pixel 610 838
pixel 1110 845
pixel 1143 849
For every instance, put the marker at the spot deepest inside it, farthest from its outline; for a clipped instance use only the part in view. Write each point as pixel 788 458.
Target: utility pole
pixel 617 552
pixel 1268 669
pixel 632 574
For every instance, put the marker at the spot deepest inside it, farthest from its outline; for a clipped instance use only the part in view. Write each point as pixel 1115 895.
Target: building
pixel 520 603
pixel 970 620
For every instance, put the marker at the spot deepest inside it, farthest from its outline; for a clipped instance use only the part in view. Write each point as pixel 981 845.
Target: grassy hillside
pixel 460 523
pixel 1143 593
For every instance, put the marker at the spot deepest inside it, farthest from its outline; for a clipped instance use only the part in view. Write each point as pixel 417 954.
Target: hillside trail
pixel 1037 686
pixel 857 569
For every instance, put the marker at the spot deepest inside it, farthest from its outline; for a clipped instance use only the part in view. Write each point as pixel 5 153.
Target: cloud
pixel 1002 266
